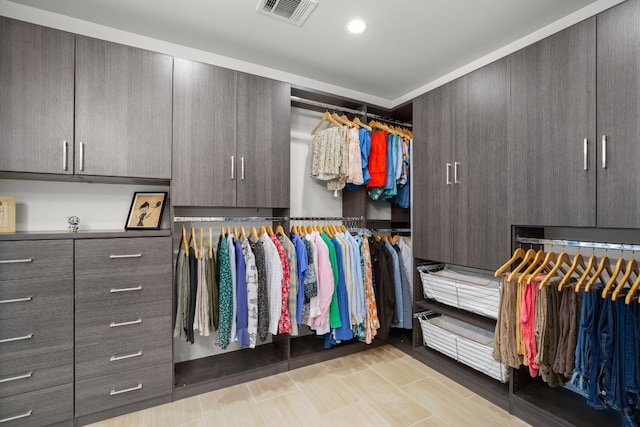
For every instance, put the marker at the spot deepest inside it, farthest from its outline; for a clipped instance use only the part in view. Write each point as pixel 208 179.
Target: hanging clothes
pixel 252 292
pixel 242 314
pixel 182 293
pixel 226 294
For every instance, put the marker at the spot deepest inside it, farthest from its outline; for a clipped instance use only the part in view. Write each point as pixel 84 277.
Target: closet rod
pixel 228 218
pixel 392 230
pixel 348 110
pixel 327 218
pixel 578 243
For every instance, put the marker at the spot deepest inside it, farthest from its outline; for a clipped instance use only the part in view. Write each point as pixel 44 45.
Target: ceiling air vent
pixel 293 11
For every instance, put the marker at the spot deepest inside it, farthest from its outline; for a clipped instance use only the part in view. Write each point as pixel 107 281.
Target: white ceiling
pixel 408 43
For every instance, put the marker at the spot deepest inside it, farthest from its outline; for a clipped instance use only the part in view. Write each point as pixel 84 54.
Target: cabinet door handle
pixel 128 356
pixel 22 338
pixel 81 155
pixel 233 168
pixel 242 168
pixel 125 256
pixel 116 290
pixel 19 377
pixel 455 172
pixel 133 322
pixel 17 417
pixel 15 261
pixel 65 145
pixel 604 151
pixel 448 173
pixel 586 146
pixel 126 390
pixel 8 301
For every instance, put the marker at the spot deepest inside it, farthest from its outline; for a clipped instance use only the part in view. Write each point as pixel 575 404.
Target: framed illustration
pixel 146 211
pixel 7 214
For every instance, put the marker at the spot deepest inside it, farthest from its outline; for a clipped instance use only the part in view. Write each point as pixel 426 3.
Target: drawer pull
pixel 125 256
pixel 7 301
pixel 133 322
pixel 16 261
pixel 26 337
pixel 126 390
pixel 116 290
pixel 128 356
pixel 19 377
pixel 17 417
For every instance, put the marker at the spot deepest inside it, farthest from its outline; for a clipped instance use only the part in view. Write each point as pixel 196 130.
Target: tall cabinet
pixel 231 136
pixel 461 147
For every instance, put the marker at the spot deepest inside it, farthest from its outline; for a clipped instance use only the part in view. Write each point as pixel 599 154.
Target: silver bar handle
pixel 24 337
pixel 448 173
pixel 16 261
pixel 126 390
pixel 81 155
pixel 125 256
pixel 19 377
pixel 586 146
pixel 233 167
pixel 242 168
pixel 133 322
pixel 65 147
pixel 128 356
pixel 17 417
pixel 8 301
pixel 116 290
pixel 455 172
pixel 604 151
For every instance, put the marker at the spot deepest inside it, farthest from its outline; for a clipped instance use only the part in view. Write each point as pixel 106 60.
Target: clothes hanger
pixel 563 259
pixel 545 265
pixel 280 231
pixel 362 125
pixel 262 231
pixel 586 275
pixel 201 242
pixel 243 234
pixel 235 232
pixel 578 261
pixel 528 257
pixel 632 291
pixel 632 267
pixel 534 264
pixel 221 232
pixel 613 280
pixel 270 231
pixel 210 242
pixel 602 267
pixel 326 117
pixel 194 241
pixel 517 254
pixel 253 233
pixel 185 243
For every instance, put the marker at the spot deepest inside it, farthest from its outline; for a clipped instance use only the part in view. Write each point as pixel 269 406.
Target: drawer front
pixel 125 255
pixel 127 321
pixel 38 408
pixel 111 391
pixel 27 336
pixel 33 297
pixel 110 291
pixel 25 374
pixel 113 357
pixel 37 258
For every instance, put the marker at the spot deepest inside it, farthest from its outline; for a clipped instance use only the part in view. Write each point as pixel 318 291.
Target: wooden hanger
pixel 602 267
pixel 528 257
pixel 194 241
pixel 588 272
pixel 253 233
pixel 228 231
pixel 545 266
pixel 344 120
pixel 362 125
pixel 221 232
pixel 577 265
pixel 563 259
pixel 310 229
pixel 632 291
pixel 210 242
pixel 326 117
pixel 517 254
pixel 534 264
pixel 262 231
pixel 185 243
pixel 280 231
pixel 632 268
pixel 270 231
pixel 201 253
pixel 613 279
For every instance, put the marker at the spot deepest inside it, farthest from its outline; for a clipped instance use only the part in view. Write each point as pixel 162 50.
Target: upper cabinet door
pixel 36 98
pixel 204 135
pixel 123 110
pixel 264 139
pixel 619 116
pixel 481 233
pixel 553 108
pixel 433 175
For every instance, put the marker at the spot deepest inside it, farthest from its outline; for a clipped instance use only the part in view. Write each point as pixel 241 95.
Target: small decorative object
pixel 146 211
pixel 73 223
pixel 7 214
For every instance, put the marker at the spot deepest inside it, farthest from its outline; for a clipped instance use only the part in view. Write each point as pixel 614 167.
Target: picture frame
pixel 146 211
pixel 7 214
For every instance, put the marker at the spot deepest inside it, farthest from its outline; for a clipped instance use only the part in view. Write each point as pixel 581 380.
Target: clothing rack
pixel 349 110
pixel 392 230
pixel 577 243
pixel 228 218
pixel 327 218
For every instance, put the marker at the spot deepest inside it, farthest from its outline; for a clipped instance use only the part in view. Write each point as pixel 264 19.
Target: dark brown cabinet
pixel 123 110
pixel 36 98
pixel 231 138
pixel 460 157
pixel 552 130
pixel 618 71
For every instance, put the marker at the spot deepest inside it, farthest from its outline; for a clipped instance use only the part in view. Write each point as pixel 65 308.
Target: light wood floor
pixel 379 387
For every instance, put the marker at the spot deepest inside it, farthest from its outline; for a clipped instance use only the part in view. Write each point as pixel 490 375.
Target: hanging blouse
pixel 302 266
pixel 326 285
pixel 231 248
pixel 290 250
pixel 284 323
pixel 252 292
pixel 355 157
pixel 212 289
pixel 372 323
pixel 263 291
pixel 378 160
pixel 226 294
pixel 273 266
pixel 242 315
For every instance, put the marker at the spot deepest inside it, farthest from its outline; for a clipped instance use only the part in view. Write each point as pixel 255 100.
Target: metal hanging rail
pixel 391 230
pixel 349 110
pixel 327 218
pixel 229 218
pixel 578 243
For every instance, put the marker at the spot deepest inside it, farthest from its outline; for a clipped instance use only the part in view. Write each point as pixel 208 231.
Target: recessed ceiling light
pixel 356 26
